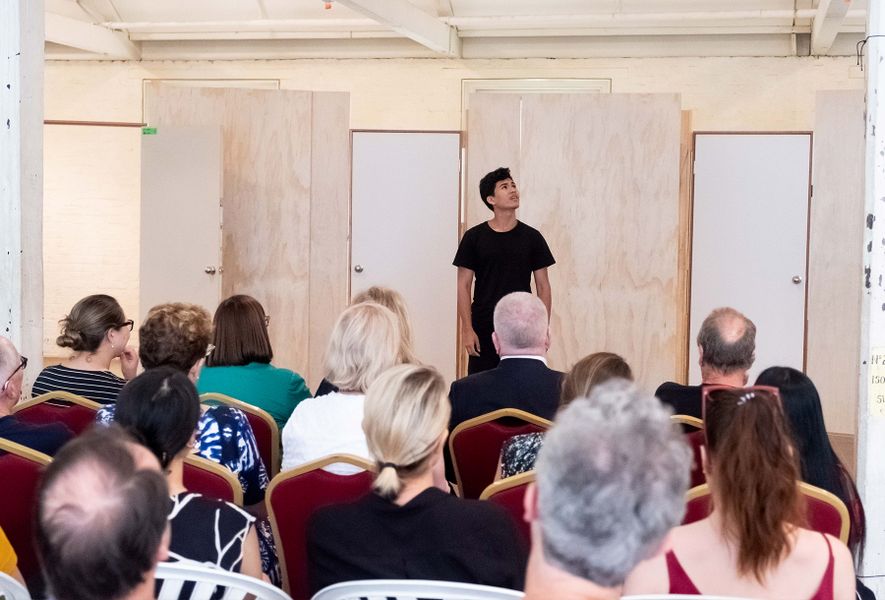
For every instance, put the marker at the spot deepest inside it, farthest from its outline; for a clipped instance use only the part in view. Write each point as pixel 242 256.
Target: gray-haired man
pixel 611 481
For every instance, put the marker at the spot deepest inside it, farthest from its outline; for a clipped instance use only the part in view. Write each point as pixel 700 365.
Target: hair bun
pixel 70 337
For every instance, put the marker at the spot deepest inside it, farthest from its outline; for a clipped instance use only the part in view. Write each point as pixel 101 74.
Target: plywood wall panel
pixel 835 265
pixel 493 140
pixel 329 222
pixel 599 176
pixel 602 176
pixel 268 144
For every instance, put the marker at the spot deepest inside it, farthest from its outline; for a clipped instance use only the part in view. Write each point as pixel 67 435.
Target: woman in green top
pixel 239 364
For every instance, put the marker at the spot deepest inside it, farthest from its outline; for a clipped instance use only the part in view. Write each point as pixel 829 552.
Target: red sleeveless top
pixel 681 584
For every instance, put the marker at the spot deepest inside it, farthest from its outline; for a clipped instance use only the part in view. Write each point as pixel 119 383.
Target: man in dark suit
pixel 522 380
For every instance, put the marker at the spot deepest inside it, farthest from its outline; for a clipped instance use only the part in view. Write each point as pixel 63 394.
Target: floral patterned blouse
pixel 519 453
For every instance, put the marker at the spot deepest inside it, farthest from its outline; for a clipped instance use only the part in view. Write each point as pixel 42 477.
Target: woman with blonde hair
pixel 753 544
pixel 519 453
pixel 410 527
pixel 394 301
pixel 365 342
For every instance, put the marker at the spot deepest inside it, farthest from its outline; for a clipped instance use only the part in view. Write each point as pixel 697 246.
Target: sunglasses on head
pixel 709 394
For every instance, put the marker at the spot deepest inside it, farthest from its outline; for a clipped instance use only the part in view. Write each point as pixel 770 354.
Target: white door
pixel 405 194
pixel 181 178
pixel 749 240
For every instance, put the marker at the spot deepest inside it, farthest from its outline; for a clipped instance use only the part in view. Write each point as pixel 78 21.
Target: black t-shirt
pixel 502 262
pixel 433 536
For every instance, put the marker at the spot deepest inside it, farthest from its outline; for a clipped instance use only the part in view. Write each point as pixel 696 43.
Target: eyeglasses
pixel 266 320
pixel 209 350
pixel 128 323
pixel 20 367
pixel 746 394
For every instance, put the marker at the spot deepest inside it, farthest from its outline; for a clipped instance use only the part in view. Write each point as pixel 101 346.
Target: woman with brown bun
pixel 519 453
pixel 97 331
pixel 753 544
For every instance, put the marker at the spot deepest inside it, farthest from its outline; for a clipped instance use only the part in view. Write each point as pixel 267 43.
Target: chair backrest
pixel 825 512
pixel 292 498
pixel 509 493
pixel 410 589
pixel 77 412
pixel 688 422
pixel 212 479
pixel 475 445
pixel 20 471
pixel 266 430
pixel 172 577
pixel 10 589
pixel 696 440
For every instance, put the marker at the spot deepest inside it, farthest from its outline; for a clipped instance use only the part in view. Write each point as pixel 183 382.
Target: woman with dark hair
pixel 519 453
pixel 97 330
pixel 819 463
pixel 239 364
pixel 753 544
pixel 161 409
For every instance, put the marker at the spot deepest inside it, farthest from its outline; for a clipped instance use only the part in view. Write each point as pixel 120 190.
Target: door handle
pixel 358 268
pixel 797 279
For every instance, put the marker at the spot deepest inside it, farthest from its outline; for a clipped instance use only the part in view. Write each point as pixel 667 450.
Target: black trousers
pixel 488 358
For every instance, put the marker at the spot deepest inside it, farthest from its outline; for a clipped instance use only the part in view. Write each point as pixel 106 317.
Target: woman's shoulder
pixel 188 504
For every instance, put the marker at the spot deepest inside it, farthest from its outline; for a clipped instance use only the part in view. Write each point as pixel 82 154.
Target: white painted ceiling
pixel 275 29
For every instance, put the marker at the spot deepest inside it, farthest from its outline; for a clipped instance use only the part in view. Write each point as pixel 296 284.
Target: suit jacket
pixel 523 383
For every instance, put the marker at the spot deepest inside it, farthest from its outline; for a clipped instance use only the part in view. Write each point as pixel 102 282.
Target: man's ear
pixel 700 355
pixel 530 504
pixel 194 372
pixel 496 342
pixel 547 340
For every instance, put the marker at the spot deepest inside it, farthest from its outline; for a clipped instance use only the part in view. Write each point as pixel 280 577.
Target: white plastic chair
pixel 10 589
pixel 412 589
pixel 173 576
pixel 680 597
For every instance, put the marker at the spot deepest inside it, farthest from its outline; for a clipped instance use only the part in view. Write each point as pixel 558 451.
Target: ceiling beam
pixel 410 21
pixel 92 38
pixel 827 22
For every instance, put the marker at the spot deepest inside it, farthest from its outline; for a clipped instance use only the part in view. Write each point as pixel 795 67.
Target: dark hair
pixel 589 372
pixel 724 355
pixel 100 518
pixel 89 321
pixel 161 409
pixel 175 335
pixel 240 335
pixel 820 464
pixel 754 471
pixel 489 181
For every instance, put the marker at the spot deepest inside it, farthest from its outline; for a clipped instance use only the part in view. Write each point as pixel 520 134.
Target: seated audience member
pixel 818 463
pixel 411 527
pixel 752 545
pixel 394 301
pixel 239 364
pixel 727 347
pixel 9 560
pixel 97 331
pixel 610 483
pixel 177 335
pixel 46 438
pixel 520 452
pixel 160 408
pixel 101 519
pixel 522 379
pixel 365 342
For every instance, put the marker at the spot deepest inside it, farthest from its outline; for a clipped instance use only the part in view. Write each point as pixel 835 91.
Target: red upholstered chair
pixel 693 428
pixel 266 431
pixel 475 446
pixel 825 512
pixel 509 493
pixel 77 412
pixel 20 472
pixel 294 495
pixel 212 479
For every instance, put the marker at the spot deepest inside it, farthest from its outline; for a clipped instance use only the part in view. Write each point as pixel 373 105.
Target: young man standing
pixel 503 254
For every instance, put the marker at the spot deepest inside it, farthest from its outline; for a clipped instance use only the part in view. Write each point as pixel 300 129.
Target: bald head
pixel 727 340
pixel 102 508
pixel 521 324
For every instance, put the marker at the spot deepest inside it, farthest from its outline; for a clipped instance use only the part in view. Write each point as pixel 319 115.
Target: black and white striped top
pixel 100 386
